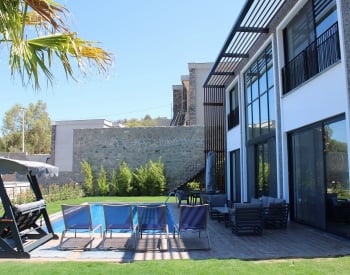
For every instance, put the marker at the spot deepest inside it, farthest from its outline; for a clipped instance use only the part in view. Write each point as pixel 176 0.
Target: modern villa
pixel 276 105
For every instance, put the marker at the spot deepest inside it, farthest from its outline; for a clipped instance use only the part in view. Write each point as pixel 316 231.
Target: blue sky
pixel 152 42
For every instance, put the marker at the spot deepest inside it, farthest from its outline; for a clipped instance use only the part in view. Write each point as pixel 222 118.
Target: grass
pixel 231 266
pixel 338 265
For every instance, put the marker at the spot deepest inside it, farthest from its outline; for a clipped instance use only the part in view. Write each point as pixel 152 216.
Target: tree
pixel 37 129
pixel 36 33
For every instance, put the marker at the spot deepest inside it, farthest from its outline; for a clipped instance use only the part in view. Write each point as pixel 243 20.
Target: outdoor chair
pixel 181 195
pixel 152 222
pixel 214 201
pixel 118 220
pixel 247 218
pixel 77 220
pixel 193 219
pixel 275 212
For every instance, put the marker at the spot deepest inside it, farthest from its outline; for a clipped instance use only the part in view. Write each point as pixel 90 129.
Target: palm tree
pixel 35 33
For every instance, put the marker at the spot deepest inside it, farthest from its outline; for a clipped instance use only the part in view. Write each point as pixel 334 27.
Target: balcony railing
pixel 315 58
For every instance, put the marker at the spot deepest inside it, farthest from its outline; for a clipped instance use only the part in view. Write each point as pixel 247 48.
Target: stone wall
pixel 181 149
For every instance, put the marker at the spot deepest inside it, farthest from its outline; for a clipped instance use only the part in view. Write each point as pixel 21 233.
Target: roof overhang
pixel 252 22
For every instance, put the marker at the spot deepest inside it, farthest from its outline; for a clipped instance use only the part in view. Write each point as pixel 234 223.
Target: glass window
pixel 263 170
pixel 336 151
pixel 311 42
pixel 256 118
pixel 258 111
pixel 235 173
pixel 255 90
pixel 272 110
pixel 233 116
pixel 249 123
pixel 325 15
pixel 270 77
pixel 264 114
pixel 299 32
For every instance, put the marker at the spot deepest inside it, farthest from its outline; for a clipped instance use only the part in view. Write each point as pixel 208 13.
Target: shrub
pixel 113 184
pixel 88 185
pixel 102 183
pixel 124 179
pixel 156 182
pixel 150 179
pixel 139 181
pixel 193 185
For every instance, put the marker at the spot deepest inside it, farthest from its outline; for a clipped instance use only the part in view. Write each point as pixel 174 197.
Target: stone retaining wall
pixel 181 149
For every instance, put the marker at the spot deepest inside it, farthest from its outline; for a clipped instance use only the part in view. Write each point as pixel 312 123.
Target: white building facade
pixel 284 72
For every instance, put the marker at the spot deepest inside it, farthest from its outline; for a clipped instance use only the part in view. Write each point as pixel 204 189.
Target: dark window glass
pixel 235 172
pixel 233 116
pixel 272 112
pixel 259 78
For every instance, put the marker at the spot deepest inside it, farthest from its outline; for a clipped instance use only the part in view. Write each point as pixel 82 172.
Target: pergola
pixel 252 23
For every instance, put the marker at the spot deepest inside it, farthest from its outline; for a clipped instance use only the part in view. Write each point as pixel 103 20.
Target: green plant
pixel 124 179
pixel 149 180
pixel 194 185
pixel 88 185
pixel 139 181
pixel 156 179
pixel 113 184
pixel 102 183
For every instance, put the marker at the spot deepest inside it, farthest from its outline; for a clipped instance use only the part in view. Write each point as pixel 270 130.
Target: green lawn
pixel 309 266
pixel 231 266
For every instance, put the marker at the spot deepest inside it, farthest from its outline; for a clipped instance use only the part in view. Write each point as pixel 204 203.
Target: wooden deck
pixel 297 241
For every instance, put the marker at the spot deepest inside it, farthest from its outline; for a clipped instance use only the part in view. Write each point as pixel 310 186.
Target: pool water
pixel 97 216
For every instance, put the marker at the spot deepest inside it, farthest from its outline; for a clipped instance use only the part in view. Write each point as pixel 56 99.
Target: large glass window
pixel 311 42
pixel 260 126
pixel 259 95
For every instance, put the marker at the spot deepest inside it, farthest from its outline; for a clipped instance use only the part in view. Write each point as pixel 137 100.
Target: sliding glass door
pixel 319 176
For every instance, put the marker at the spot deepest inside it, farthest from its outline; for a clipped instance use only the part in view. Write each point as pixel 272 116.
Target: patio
pixel 297 241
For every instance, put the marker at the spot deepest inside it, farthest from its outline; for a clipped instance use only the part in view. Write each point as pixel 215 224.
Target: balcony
pixel 315 58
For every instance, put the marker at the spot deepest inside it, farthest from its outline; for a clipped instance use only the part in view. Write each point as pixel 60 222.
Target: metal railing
pixel 319 55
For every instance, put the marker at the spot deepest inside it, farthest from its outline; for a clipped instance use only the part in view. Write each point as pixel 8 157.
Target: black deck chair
pixel 21 227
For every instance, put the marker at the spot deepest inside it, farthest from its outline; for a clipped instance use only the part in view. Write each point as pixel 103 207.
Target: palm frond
pixel 33 19
pixel 31 55
pixel 50 11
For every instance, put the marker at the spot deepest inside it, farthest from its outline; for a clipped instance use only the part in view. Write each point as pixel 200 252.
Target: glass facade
pixel 259 96
pixel 260 126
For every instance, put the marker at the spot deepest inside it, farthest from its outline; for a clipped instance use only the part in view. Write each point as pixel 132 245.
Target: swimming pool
pixel 97 217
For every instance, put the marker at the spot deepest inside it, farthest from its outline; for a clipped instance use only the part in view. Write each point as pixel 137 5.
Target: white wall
pixel 319 98
pixel 201 73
